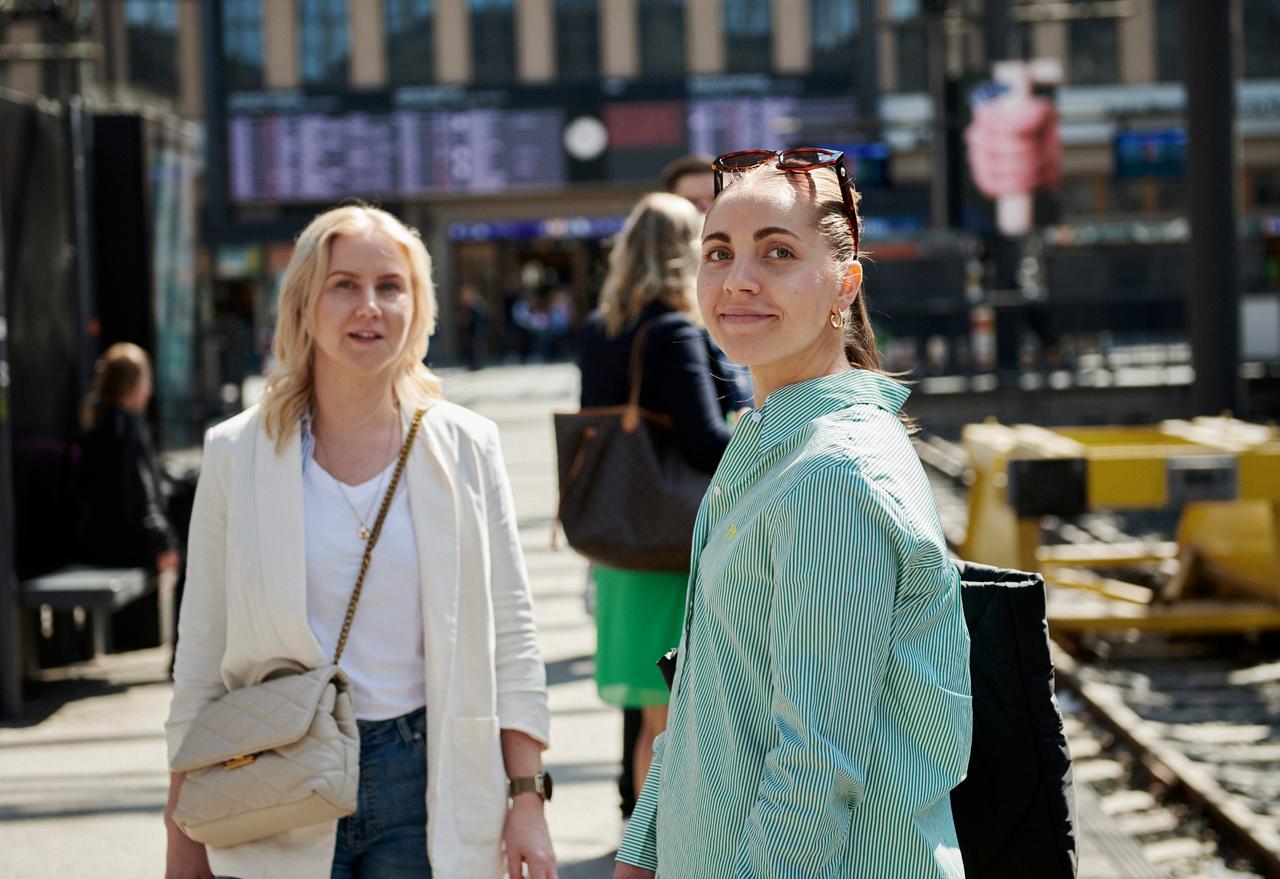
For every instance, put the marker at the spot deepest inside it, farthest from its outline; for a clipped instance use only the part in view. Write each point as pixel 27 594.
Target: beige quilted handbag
pixel 283 753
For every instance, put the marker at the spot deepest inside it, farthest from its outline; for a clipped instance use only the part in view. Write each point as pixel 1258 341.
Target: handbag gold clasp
pixel 237 762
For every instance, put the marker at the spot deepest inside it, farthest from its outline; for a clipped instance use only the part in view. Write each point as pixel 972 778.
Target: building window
pixel 411 34
pixel 1021 43
pixel 322 29
pixel 242 44
pixel 748 36
pixel 151 33
pixel 913 58
pixel 1094 53
pixel 1169 40
pixel 578 38
pixel 661 25
pixel 833 31
pixel 493 41
pixel 1261 38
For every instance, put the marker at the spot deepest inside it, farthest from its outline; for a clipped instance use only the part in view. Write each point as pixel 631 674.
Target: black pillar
pixel 1214 301
pixel 215 142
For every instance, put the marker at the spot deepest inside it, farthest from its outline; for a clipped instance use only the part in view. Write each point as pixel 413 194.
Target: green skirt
pixel 638 619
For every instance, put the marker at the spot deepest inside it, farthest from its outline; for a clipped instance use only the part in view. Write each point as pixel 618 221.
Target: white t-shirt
pixel 384 652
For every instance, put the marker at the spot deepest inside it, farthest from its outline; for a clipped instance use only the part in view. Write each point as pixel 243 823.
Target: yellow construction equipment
pixel 1223 570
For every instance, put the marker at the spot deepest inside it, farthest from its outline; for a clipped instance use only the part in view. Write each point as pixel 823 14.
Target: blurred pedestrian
pixel 820 714
pixel 690 177
pixel 650 285
pixel 445 675
pixel 473 325
pixel 123 520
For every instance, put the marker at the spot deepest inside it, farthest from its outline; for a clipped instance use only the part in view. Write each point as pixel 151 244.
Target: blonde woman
pixel 448 684
pixel 650 284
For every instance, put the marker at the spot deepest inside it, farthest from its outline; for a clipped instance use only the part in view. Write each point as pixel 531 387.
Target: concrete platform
pixel 83 778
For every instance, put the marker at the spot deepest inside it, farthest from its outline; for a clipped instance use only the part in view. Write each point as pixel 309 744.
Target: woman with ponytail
pixel 820 714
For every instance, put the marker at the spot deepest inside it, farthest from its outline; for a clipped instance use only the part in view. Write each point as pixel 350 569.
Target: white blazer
pixel 244 608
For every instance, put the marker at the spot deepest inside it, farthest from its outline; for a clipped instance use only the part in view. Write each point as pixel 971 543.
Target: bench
pixel 100 591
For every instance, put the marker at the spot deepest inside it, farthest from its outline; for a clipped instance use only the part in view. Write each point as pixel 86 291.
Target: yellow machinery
pixel 1223 571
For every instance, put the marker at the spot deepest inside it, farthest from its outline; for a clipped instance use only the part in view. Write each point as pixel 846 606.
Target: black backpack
pixel 1015 813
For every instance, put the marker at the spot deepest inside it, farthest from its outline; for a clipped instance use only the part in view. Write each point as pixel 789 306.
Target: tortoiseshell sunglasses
pixel 802 159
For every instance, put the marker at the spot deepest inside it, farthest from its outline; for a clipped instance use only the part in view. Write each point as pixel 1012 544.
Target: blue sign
pixel 1161 154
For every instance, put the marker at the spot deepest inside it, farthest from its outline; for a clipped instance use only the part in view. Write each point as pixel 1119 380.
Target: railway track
pixel 1175 741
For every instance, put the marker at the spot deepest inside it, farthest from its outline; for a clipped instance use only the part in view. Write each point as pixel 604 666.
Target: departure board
pixel 722 125
pixel 326 156
pixel 420 142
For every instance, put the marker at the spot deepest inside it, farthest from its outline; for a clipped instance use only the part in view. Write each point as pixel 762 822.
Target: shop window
pixel 493 41
pixel 151 34
pixel 1128 196
pixel 411 33
pixel 833 32
pixel 1094 52
pixel 1077 198
pixel 1261 39
pixel 322 30
pixel 242 44
pixel 661 24
pixel 578 38
pixel 748 36
pixel 1265 188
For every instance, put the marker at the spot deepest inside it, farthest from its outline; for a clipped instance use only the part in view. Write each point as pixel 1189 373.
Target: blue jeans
pixel 387 836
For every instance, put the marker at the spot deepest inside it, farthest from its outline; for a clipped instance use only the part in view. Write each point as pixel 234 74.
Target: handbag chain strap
pixel 373 535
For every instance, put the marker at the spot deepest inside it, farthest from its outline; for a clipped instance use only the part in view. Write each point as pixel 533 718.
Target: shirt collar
pixel 789 408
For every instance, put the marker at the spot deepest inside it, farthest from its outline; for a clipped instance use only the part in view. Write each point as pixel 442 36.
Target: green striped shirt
pixel 821 711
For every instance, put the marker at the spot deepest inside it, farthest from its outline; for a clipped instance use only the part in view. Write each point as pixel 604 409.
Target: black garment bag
pixel 1015 813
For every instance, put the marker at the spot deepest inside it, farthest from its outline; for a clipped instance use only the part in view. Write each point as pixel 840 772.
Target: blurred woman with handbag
pixel 647 307
pixel 301 497
pixel 820 710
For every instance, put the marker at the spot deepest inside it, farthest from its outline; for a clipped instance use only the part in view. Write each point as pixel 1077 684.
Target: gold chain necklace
pixel 364 532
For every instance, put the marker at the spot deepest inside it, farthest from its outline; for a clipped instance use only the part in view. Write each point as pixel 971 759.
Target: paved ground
pixel 83 779
pixel 82 775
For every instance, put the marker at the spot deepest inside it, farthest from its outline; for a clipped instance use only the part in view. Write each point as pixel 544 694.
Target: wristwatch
pixel 539 784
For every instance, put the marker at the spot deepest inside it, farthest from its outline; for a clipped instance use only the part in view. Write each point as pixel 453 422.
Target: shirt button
pixel 756 416
pixel 716 490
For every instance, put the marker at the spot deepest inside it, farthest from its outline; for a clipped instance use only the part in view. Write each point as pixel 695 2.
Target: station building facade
pixel 517 133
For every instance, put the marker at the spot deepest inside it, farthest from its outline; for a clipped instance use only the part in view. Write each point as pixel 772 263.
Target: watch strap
pixel 534 784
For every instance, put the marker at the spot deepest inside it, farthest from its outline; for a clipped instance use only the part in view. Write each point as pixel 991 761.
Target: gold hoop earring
pixel 837 320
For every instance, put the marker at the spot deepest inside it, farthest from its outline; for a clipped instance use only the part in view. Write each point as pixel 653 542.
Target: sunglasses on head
pixel 800 160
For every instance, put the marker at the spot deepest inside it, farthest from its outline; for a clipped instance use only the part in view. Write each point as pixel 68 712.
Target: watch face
pixel 546 786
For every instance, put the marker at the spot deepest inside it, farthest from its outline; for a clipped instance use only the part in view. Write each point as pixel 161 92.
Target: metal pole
pixel 1214 300
pixel 10 612
pixel 936 66
pixel 80 128
pixel 867 70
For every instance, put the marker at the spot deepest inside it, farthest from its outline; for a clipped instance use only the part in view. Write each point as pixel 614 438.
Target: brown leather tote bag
pixel 628 498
